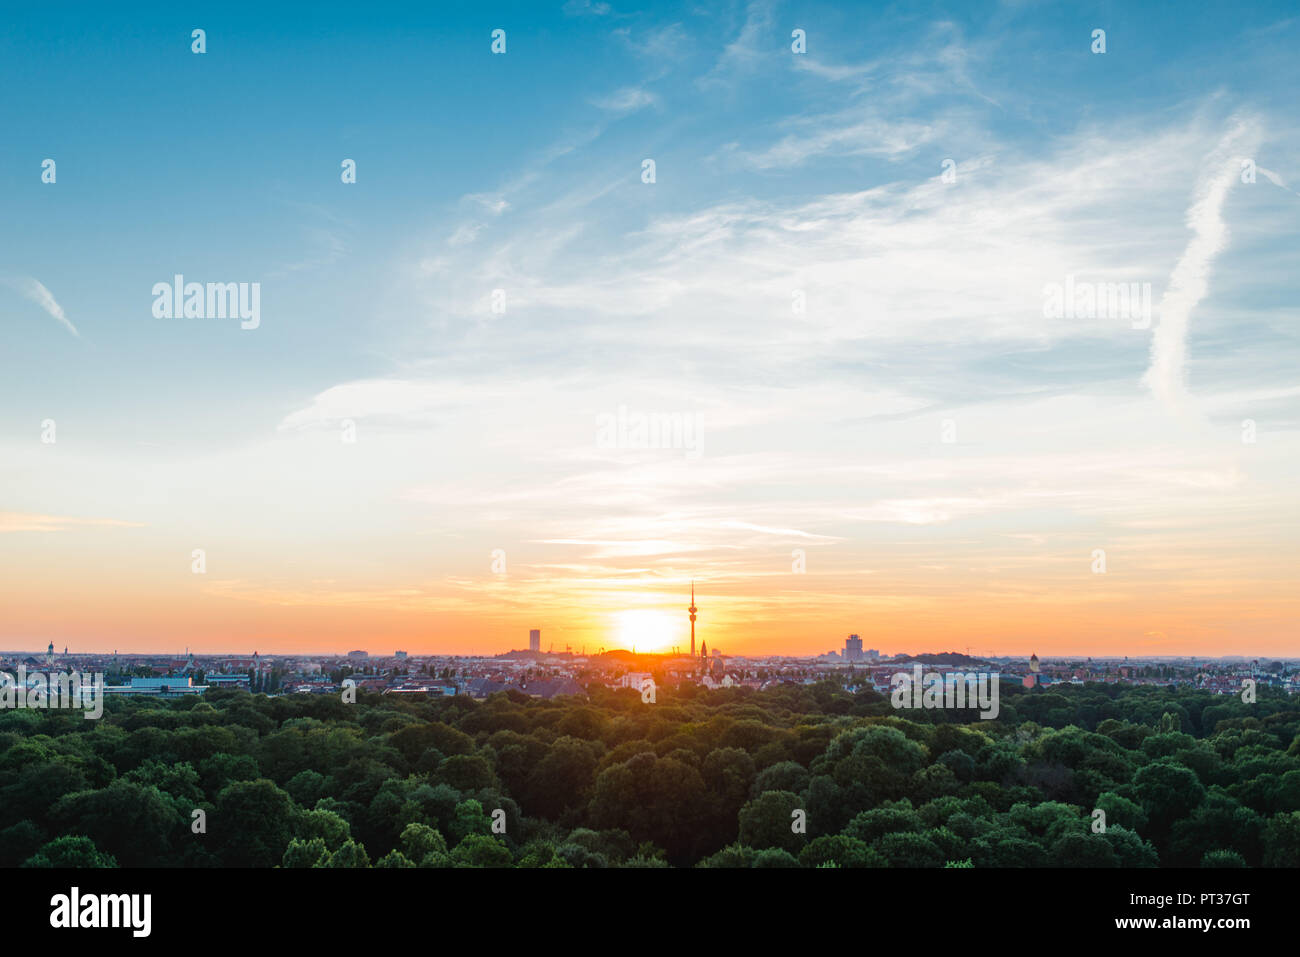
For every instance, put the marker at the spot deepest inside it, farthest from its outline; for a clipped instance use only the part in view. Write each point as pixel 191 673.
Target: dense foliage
pixel 706 778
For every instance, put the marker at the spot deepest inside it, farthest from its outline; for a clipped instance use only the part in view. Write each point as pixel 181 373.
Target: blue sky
pixel 776 173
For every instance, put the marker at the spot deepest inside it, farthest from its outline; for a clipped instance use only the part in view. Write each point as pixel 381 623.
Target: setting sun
pixel 646 630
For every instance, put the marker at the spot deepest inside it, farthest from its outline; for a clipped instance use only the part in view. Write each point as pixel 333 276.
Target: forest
pixel 1099 775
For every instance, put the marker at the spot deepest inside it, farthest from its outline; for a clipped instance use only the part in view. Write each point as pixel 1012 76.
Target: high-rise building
pixel 535 639
pixel 853 648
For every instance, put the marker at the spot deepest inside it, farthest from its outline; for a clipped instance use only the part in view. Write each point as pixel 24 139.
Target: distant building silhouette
pixel 535 639
pixel 1033 679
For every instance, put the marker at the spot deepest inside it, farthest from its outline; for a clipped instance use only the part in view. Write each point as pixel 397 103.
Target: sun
pixel 645 630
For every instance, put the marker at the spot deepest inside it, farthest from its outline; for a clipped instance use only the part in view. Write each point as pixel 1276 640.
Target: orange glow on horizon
pixel 142 600
pixel 129 615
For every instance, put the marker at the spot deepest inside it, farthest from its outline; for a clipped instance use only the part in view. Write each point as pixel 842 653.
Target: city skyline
pixel 943 326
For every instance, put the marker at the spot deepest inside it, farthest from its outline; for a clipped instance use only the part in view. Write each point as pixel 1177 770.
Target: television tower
pixel 692 610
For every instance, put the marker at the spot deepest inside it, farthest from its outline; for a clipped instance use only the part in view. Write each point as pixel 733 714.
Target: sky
pixel 826 262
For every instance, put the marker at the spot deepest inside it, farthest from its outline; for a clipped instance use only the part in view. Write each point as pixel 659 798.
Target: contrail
pixel 1189 281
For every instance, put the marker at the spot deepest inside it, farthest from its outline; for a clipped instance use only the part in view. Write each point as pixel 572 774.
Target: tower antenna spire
pixel 692 610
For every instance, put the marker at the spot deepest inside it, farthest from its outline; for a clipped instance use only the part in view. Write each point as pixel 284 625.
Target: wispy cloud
pixel 746 50
pixel 26 522
pixel 586 8
pixel 37 293
pixel 660 45
pixel 494 203
pixel 325 240
pixel 629 99
pixel 1276 180
pixel 845 135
